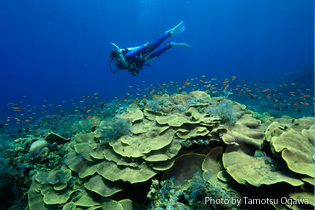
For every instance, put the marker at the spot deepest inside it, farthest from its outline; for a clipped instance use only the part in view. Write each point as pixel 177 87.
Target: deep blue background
pixel 59 50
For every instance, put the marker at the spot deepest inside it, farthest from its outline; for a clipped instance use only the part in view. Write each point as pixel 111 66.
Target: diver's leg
pixel 147 52
pixel 161 39
pixel 157 53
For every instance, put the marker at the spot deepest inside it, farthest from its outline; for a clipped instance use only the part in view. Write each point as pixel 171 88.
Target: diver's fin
pixel 174 44
pixel 177 29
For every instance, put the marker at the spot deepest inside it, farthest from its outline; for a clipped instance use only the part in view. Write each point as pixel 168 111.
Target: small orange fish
pixel 203 76
pixel 293 84
pixel 233 78
pixel 95 93
pixel 268 114
pixel 265 90
pixel 130 86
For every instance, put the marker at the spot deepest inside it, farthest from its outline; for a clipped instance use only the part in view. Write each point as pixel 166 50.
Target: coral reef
pixel 39 148
pixel 5 173
pixel 113 129
pixel 199 194
pixel 225 111
pixel 154 105
pixel 198 151
pixel 181 107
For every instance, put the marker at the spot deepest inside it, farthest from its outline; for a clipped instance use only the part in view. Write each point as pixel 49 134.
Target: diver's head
pixel 114 54
pixel 117 56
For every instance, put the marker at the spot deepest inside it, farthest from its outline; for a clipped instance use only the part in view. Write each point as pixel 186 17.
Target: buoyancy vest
pixel 135 63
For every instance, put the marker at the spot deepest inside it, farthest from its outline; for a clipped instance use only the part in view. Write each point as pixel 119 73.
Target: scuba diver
pixel 133 59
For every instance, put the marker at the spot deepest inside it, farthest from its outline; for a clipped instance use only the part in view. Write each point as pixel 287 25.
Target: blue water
pixel 59 50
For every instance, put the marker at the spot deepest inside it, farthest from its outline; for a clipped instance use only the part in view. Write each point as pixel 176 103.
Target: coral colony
pixel 166 148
